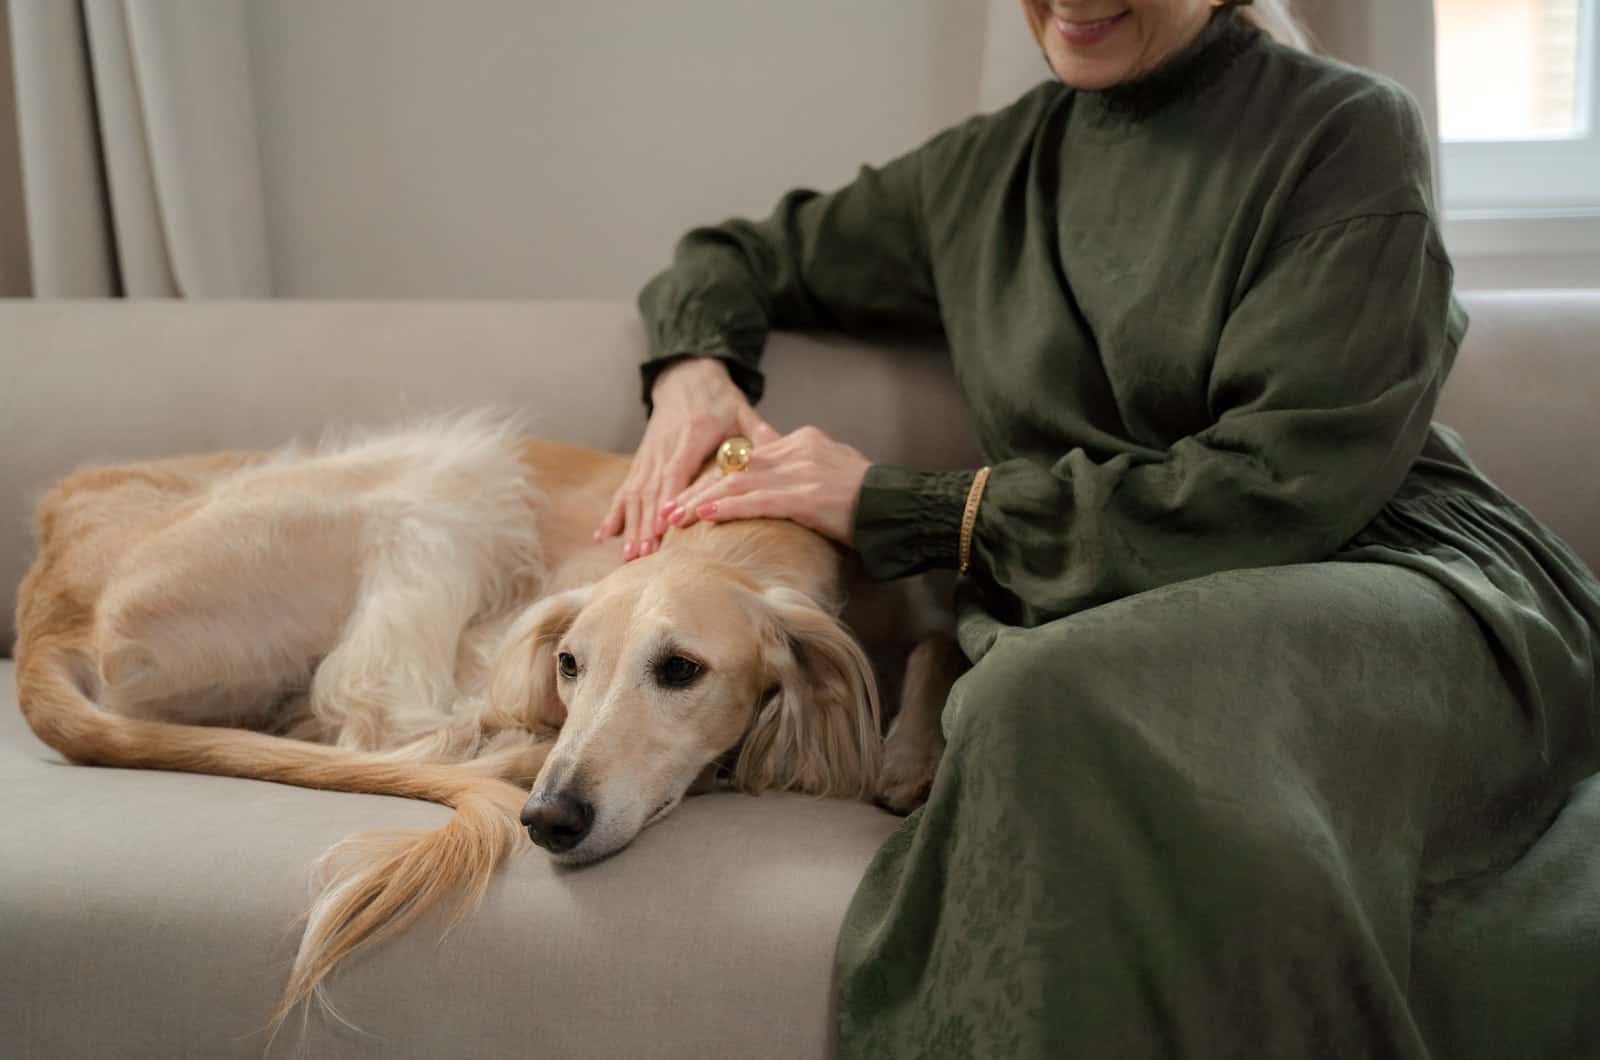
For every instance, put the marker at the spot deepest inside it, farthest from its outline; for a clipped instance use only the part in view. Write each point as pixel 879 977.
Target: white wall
pixel 558 148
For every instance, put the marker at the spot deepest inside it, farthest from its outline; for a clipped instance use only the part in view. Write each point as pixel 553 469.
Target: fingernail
pixel 677 515
pixel 649 547
pixel 667 506
pixel 597 535
pixel 706 511
pixel 628 549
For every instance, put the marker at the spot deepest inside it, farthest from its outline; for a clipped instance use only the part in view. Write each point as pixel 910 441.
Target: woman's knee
pixel 1165 690
pixel 1057 700
pixel 1055 685
pixel 1075 743
pixel 1193 657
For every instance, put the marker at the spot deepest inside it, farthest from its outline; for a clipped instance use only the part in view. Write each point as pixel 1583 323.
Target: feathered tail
pixel 372 885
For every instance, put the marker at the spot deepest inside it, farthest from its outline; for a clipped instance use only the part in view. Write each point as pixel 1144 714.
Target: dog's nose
pixel 557 822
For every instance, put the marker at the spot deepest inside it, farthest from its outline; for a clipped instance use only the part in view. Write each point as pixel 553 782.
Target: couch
pixel 154 914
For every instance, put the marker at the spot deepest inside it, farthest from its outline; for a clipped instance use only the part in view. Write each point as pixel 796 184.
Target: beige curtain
pixel 1393 37
pixel 140 170
pixel 14 280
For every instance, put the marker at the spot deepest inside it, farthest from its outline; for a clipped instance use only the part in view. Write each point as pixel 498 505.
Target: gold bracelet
pixel 969 518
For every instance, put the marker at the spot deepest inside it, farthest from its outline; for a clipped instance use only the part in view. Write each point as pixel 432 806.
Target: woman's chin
pixel 1089 75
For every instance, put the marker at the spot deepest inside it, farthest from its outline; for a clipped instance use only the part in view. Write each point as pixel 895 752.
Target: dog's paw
pixel 906 778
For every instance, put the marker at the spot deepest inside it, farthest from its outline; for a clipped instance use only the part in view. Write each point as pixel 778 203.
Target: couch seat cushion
pixel 154 914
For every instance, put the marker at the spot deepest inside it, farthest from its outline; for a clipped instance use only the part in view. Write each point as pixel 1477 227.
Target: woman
pixel 1265 673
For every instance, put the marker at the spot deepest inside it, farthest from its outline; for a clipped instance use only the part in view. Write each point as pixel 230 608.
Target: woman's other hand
pixel 804 476
pixel 696 406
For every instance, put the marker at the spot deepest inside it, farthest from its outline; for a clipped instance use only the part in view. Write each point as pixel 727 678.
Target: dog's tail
pixel 373 885
pixel 376 884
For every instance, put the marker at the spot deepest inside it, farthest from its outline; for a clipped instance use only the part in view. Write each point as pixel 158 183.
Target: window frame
pixel 1559 171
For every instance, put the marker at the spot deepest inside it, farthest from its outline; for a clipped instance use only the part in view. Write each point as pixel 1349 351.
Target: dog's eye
pixel 567 665
pixel 677 672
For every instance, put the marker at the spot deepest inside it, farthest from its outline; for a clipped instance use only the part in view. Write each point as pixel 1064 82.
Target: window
pixel 1519 102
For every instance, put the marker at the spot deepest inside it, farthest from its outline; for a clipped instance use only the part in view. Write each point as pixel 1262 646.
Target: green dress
pixel 1276 700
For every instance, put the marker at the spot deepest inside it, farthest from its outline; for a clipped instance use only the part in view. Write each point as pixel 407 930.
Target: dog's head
pixel 656 672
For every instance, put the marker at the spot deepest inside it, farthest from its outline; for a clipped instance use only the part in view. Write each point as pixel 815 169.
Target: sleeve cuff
pixel 748 379
pixel 909 521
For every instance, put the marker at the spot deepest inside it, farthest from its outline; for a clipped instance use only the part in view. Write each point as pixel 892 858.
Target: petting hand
pixel 804 476
pixel 697 405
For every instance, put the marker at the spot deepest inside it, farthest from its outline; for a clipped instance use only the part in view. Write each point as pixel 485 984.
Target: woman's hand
pixel 804 476
pixel 697 405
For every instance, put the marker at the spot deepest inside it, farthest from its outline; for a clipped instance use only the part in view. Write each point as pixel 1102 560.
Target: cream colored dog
pixel 424 613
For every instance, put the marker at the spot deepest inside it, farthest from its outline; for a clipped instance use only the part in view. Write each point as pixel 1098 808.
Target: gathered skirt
pixel 1336 809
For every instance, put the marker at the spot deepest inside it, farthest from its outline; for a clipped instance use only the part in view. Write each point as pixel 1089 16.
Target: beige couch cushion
pixel 153 914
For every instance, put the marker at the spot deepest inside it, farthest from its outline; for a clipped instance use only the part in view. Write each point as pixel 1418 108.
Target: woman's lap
pixel 1197 820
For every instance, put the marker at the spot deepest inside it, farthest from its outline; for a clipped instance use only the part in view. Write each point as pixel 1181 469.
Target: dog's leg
pixel 390 677
pixel 916 740
pixel 213 621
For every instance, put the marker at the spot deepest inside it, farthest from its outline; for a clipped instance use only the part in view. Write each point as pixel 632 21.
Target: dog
pixel 424 613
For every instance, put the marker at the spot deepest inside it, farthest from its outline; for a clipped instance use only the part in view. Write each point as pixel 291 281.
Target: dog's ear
pixel 816 729
pixel 523 684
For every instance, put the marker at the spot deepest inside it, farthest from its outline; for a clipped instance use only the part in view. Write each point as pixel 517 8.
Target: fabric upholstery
pixel 1523 395
pixel 153 914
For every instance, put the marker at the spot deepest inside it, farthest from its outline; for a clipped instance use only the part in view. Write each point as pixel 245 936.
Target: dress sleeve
pixel 1321 393
pixel 853 260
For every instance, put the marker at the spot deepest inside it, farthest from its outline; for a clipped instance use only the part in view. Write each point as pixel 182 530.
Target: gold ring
pixel 734 454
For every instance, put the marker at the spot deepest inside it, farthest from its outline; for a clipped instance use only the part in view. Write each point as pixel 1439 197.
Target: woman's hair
pixel 1277 19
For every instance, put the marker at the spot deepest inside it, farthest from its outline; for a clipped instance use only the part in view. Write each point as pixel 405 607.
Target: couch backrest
pixel 1525 394
pixel 88 382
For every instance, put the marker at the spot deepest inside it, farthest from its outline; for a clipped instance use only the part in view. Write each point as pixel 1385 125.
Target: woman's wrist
pixel 969 519
pixel 699 370
pixel 685 373
pixel 908 521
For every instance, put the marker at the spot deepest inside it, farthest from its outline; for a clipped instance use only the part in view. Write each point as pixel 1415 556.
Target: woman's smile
pixel 1082 33
pixel 1095 44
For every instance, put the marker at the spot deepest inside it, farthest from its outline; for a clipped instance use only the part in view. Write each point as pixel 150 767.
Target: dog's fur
pixel 386 615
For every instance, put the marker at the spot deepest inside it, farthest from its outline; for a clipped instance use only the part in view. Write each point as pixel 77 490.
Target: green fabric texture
pixel 1246 815
pixel 1269 681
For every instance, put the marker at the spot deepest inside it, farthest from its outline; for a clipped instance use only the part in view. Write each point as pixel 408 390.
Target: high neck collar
pixel 1187 74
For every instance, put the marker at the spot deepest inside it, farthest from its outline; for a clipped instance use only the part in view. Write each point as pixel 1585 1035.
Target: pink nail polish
pixel 627 550
pixel 676 516
pixel 706 511
pixel 647 548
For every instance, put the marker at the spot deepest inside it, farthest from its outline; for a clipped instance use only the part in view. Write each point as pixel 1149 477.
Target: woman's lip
pixel 1092 32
